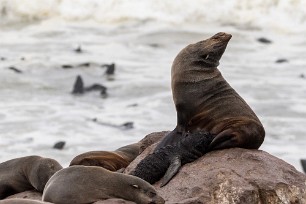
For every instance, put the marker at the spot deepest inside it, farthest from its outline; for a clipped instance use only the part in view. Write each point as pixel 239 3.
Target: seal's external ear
pixel 135 186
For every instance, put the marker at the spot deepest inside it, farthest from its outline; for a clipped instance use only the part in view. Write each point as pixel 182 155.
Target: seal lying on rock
pixel 83 184
pixel 204 101
pixel 26 173
pixel 170 158
pixel 111 160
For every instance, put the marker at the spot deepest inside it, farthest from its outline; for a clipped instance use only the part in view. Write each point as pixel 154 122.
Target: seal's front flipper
pixel 78 87
pixel 223 140
pixel 175 165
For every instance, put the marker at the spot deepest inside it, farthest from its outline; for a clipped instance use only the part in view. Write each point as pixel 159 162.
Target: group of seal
pixel 205 102
pixel 210 116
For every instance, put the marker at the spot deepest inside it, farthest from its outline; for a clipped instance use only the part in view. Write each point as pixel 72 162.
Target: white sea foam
pixel 274 14
pixel 142 38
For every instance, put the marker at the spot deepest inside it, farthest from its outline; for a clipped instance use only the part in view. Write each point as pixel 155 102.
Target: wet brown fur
pixel 206 102
pixel 111 160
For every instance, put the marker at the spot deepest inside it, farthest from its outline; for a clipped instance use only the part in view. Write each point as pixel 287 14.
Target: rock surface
pixel 233 176
pixel 34 195
pixel 230 176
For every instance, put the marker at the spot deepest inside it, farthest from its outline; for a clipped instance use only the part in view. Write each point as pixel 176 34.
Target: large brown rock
pixel 233 176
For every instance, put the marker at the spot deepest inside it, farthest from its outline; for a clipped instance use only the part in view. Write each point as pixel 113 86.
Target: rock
pixel 21 201
pixel 233 176
pixel 34 195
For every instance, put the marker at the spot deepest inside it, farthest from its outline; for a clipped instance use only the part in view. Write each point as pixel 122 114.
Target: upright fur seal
pixel 83 184
pixel 169 159
pixel 204 101
pixel 111 160
pixel 26 173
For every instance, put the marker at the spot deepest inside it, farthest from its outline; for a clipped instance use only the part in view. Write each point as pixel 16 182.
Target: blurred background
pixel 46 44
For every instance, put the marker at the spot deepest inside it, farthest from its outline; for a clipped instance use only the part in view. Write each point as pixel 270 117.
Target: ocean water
pixel 142 38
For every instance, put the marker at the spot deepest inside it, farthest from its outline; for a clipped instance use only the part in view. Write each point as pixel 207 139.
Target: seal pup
pixel 87 184
pixel 204 101
pixel 168 160
pixel 26 173
pixel 111 160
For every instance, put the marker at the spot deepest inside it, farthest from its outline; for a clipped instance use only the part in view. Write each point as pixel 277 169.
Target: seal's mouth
pixel 221 37
pixel 220 40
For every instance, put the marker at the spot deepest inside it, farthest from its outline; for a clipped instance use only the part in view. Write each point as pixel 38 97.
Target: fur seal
pixel 170 158
pixel 69 185
pixel 111 160
pixel 204 101
pixel 26 173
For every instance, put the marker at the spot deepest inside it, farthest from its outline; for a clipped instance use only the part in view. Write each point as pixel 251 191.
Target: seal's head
pixel 205 53
pixel 139 190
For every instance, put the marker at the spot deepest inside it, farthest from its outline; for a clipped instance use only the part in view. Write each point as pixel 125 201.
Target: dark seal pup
pixel 87 184
pixel 169 159
pixel 111 160
pixel 204 101
pixel 26 173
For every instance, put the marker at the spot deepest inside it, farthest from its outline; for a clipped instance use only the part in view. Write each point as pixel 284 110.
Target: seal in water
pixel 111 160
pixel 26 173
pixel 69 185
pixel 204 101
pixel 168 160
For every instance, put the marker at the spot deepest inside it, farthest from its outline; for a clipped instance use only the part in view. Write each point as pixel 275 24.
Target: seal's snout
pixel 222 36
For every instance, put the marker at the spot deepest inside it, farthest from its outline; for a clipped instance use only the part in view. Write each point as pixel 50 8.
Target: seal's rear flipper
pixel 223 140
pixel 175 165
pixel 303 162
pixel 78 87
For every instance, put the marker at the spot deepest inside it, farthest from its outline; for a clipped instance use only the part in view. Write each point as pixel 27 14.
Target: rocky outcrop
pixel 230 176
pixel 233 176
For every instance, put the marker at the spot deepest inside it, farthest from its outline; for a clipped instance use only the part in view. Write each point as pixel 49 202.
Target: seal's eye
pixel 135 186
pixel 207 56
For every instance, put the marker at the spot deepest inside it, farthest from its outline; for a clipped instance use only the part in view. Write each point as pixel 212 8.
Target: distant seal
pixel 87 184
pixel 111 160
pixel 26 173
pixel 204 101
pixel 166 161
